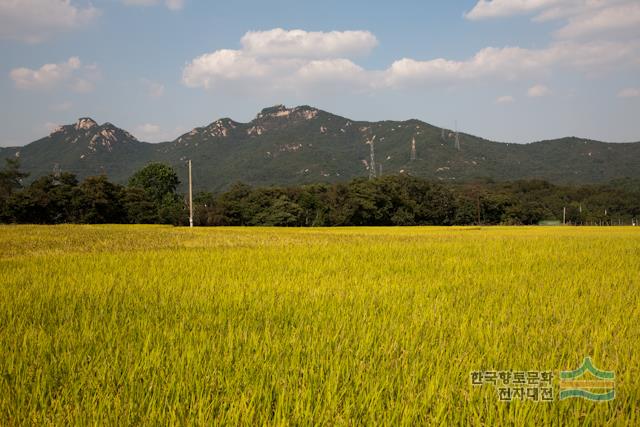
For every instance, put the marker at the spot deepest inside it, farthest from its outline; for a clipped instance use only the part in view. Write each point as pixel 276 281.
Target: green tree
pixel 173 210
pixel 48 200
pixel 157 180
pixel 233 207
pixel 313 200
pixel 101 201
pixel 11 178
pixel 204 204
pixel 10 181
pixel 279 212
pixel 139 207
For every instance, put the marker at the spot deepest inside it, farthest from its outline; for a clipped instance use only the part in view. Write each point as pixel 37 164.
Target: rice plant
pixel 126 325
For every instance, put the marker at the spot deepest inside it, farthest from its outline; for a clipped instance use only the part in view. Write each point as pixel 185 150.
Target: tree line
pixel 151 197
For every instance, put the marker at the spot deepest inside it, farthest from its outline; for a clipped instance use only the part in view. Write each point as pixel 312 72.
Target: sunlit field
pixel 249 326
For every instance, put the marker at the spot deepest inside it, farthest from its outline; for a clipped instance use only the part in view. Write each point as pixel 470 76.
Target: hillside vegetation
pixel 304 145
pixel 151 196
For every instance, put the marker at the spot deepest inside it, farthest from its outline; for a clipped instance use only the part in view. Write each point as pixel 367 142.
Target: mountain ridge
pixel 303 145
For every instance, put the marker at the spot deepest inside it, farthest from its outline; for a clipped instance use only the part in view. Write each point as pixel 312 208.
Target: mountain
pixel 306 145
pixel 84 148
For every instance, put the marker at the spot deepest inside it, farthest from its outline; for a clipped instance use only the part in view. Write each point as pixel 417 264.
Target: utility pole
pixel 190 197
pixel 478 209
pixel 564 215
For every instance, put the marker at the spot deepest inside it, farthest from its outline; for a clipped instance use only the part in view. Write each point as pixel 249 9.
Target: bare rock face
pixel 56 130
pixel 280 117
pixel 85 123
pixel 255 131
pixel 273 112
pixel 293 145
pixel 105 138
pixel 221 128
pixel 281 112
pixel 89 137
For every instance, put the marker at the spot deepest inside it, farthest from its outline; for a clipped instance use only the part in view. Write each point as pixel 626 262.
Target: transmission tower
pixel 56 174
pixel 413 149
pixel 372 165
pixel 457 142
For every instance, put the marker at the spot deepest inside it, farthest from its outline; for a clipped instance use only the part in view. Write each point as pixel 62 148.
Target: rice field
pixel 123 325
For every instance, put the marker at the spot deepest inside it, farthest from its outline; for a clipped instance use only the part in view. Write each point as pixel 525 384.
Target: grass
pixel 250 326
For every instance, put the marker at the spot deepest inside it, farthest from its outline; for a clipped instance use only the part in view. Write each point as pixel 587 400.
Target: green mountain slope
pixel 306 145
pixel 84 148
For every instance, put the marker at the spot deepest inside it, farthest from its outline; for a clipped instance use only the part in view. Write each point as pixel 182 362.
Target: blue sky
pixel 508 70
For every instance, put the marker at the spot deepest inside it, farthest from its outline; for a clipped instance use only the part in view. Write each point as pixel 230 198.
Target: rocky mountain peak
pixel 221 128
pixel 280 111
pixel 303 144
pixel 85 123
pixel 306 112
pixel 90 137
pixel 273 112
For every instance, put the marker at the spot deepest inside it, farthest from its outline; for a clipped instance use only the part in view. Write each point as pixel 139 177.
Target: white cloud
pixel 291 65
pixel 174 4
pixel 511 62
pixel 148 132
pixel 148 128
pixel 46 76
pixel 34 21
pixel 154 89
pixel 622 19
pixel 630 92
pixel 50 126
pixel 543 10
pixel 282 59
pixel 211 68
pixel 501 8
pixel 506 99
pixel 82 86
pixel 331 70
pixel 411 70
pixel 583 18
pixel 140 2
pixel 170 4
pixel 63 106
pixel 78 77
pixel 308 44
pixel 538 91
pixel 151 132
